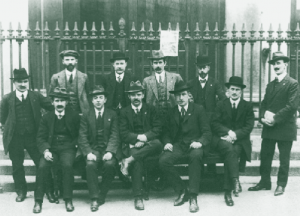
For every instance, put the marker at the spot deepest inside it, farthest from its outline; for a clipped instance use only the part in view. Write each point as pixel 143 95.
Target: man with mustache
pixel 99 141
pixel 140 128
pixel 57 141
pixel 278 116
pixel 187 136
pixel 73 81
pixel 232 124
pixel 20 114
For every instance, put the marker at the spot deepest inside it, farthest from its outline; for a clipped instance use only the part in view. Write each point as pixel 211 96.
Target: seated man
pixel 98 141
pixel 57 140
pixel 140 128
pixel 232 124
pixel 187 134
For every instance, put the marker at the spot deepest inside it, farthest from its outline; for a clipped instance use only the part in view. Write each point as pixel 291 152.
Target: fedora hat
pixel 202 60
pixel 135 87
pixel 119 56
pixel 20 74
pixel 278 56
pixel 69 53
pixel 235 80
pixel 98 90
pixel 179 87
pixel 59 93
pixel 157 54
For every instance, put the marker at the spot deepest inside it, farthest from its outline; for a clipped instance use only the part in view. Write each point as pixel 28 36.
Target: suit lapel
pixel 176 114
pixel 208 86
pixel 52 121
pixel 280 85
pixel 189 112
pixel 170 83
pixel 32 102
pixel 80 82
pixel 129 115
pixel 240 109
pixel 144 113
pixel 228 107
pixel 127 80
pixel 153 85
pixel 112 82
pixel 92 122
pixel 61 79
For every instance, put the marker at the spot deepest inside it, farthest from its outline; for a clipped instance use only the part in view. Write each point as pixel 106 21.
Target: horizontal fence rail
pixel 96 47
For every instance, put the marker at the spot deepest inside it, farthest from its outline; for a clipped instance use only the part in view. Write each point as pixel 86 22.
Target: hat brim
pixel 98 93
pixel 180 90
pixel 59 96
pixel 235 84
pixel 137 90
pixel 208 63
pixel 19 78
pixel 121 58
pixel 156 58
pixel 284 58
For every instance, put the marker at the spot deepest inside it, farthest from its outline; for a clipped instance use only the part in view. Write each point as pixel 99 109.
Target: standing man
pixel 187 136
pixel 232 124
pixel 20 116
pixel 98 141
pixel 278 116
pixel 140 128
pixel 72 80
pixel 206 91
pixel 57 140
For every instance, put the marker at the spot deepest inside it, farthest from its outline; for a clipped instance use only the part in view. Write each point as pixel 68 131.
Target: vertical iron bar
pixel 143 52
pixel 20 54
pixel 251 72
pixel 94 61
pixel 297 59
pixel 102 57
pixel 260 73
pixel 151 48
pixel 11 64
pixel 1 68
pixel 233 59
pixel 111 53
pixel 47 65
pixel 243 57
pixel 187 59
pixel 270 54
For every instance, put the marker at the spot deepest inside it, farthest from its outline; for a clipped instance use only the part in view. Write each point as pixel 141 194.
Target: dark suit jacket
pixel 222 123
pixel 88 132
pixel 214 92
pixel 283 102
pixel 109 83
pixel 151 124
pixel 8 113
pixel 195 126
pixel 46 130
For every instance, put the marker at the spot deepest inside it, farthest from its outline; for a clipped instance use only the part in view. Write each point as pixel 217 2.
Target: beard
pixel 202 74
pixel 70 67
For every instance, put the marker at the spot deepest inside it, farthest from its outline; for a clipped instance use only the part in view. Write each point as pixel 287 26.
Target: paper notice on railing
pixel 169 42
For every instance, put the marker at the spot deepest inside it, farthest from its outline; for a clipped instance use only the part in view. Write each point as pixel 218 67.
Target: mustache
pixel 136 100
pixel 158 69
pixel 22 87
pixel 276 69
pixel 60 106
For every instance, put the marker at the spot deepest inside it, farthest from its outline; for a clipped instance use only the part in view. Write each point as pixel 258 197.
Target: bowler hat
pixel 20 74
pixel 59 93
pixel 202 60
pixel 69 53
pixel 278 56
pixel 135 87
pixel 157 54
pixel 236 81
pixel 119 56
pixel 180 86
pixel 98 90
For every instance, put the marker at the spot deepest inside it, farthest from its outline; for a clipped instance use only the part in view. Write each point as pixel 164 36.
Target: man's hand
pixel 107 156
pixel 196 145
pixel 168 147
pixel 139 144
pixel 232 135
pixel 142 138
pixel 228 139
pixel 91 157
pixel 265 121
pixel 48 155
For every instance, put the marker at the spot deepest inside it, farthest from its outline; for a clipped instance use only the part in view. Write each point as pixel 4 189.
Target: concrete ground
pixel 120 202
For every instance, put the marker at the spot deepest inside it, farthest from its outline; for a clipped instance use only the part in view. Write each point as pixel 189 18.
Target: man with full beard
pixel 72 80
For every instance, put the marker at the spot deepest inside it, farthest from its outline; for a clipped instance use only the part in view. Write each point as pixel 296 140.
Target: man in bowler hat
pixel 140 128
pixel 278 116
pixel 232 124
pixel 20 114
pixel 73 81
pixel 99 141
pixel 57 140
pixel 187 136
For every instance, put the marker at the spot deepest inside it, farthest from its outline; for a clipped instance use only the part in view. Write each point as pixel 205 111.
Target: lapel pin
pixel 108 119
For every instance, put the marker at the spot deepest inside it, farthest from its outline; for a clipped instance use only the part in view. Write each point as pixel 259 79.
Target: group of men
pixel 125 121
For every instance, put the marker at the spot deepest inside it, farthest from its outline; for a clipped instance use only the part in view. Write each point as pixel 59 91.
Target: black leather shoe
pixel 37 207
pixel 51 197
pixel 94 205
pixel 240 188
pixel 236 187
pixel 279 191
pixel 259 187
pixel 228 199
pixel 194 205
pixel 182 198
pixel 21 197
pixel 138 204
pixel 69 205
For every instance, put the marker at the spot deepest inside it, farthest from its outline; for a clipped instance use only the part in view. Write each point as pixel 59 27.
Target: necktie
pixel 22 97
pixel 160 79
pixel 71 79
pixel 99 115
pixel 233 111
pixel 119 79
pixel 182 111
pixel 59 116
pixel 137 110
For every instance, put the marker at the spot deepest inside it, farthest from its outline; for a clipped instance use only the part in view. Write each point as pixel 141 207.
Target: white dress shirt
pixel 59 114
pixel 19 94
pixel 69 73
pixel 281 76
pixel 119 75
pixel 185 108
pixel 203 84
pixel 162 75
pixel 135 108
pixel 235 101
pixel 101 112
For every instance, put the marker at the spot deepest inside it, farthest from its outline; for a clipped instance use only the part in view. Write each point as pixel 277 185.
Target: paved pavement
pixel 120 202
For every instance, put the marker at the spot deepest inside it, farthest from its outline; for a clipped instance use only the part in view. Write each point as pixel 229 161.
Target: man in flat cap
pixel 187 135
pixel 20 114
pixel 140 128
pixel 278 116
pixel 57 140
pixel 99 140
pixel 73 81
pixel 232 124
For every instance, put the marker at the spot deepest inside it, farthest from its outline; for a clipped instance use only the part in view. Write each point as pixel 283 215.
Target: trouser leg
pixel 92 178
pixel 109 171
pixel 284 157
pixel 266 157
pixel 195 162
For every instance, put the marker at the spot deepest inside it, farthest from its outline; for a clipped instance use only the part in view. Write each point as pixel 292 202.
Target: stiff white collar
pixel 19 94
pixel 235 101
pixel 281 76
pixel 162 75
pixel 119 75
pixel 185 107
pixel 135 108
pixel 101 112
